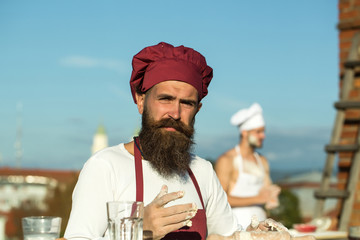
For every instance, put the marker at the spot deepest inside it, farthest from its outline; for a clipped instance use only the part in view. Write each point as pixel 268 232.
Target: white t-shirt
pixel 109 175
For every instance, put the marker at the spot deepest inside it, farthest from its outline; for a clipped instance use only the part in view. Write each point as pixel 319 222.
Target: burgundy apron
pixel 198 229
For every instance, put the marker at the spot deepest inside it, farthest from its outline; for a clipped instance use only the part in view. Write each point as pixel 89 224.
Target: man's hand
pixel 269 196
pixel 264 230
pixel 160 220
pixel 273 202
pixel 265 226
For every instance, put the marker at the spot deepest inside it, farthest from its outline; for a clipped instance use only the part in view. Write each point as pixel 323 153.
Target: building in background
pixel 19 187
pixel 100 140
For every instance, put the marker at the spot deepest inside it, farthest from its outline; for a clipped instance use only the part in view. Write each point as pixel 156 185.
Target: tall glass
pixel 41 227
pixel 125 220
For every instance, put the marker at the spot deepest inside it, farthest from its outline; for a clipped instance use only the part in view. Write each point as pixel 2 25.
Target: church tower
pixel 100 139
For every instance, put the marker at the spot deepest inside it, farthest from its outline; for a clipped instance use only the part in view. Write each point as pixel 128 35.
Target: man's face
pixel 168 114
pixel 256 137
pixel 170 99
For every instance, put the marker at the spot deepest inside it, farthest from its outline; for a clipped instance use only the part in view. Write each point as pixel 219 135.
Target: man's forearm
pixel 245 201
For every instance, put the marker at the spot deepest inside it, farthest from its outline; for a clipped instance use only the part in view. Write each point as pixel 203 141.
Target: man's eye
pixel 164 98
pixel 189 104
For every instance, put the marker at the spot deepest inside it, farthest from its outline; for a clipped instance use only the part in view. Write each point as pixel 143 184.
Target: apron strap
pixel 193 178
pixel 138 171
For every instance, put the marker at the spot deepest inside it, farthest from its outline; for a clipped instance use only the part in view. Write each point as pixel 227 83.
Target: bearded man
pixel 243 173
pixel 167 85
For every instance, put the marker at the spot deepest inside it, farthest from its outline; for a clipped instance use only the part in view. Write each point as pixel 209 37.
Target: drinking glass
pixel 41 227
pixel 354 233
pixel 125 220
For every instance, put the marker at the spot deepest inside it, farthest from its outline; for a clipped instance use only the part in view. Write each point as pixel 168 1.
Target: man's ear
pixel 244 133
pixel 140 101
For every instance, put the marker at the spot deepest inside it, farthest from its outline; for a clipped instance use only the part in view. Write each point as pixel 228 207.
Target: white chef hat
pixel 249 118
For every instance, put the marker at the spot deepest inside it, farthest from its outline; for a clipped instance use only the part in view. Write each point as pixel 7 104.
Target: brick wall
pixel 349 23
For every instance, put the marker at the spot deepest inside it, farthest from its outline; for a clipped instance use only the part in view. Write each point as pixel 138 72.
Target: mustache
pixel 177 125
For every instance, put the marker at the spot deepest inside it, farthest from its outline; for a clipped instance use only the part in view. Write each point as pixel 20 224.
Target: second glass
pixel 41 227
pixel 125 220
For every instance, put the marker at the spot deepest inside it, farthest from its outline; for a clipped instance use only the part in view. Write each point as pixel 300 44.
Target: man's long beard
pixel 167 151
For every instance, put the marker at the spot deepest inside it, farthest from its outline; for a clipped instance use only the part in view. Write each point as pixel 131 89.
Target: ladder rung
pixel 347 104
pixel 351 64
pixel 352 121
pixel 341 148
pixel 331 193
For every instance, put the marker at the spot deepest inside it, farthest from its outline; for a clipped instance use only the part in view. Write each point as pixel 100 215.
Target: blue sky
pixel 69 62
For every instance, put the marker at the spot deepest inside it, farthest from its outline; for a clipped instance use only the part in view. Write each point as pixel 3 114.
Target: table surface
pixel 324 235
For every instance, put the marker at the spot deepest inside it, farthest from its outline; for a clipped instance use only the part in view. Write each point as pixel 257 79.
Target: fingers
pixel 271 205
pixel 168 224
pixel 161 220
pixel 275 189
pixel 163 191
pixel 164 197
pixel 177 215
pixel 274 225
pixel 267 225
pixel 263 227
pixel 254 223
pixel 182 208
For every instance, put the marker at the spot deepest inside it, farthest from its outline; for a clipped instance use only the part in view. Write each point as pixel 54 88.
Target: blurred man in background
pixel 243 173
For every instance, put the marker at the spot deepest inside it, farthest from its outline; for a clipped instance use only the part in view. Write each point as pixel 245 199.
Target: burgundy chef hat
pixel 163 62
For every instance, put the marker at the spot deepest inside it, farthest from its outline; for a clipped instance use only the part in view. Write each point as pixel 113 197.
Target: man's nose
pixel 174 111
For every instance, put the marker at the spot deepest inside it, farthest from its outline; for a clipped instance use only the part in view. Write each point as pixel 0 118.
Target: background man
pixel 243 173
pixel 167 85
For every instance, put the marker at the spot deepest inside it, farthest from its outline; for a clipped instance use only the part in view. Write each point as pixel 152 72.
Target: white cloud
pixel 89 62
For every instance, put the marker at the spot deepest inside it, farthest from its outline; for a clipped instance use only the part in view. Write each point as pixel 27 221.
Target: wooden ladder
pixel 325 191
